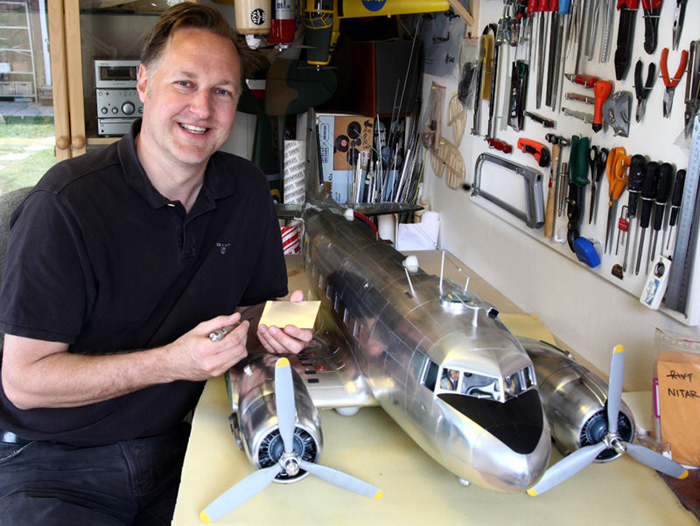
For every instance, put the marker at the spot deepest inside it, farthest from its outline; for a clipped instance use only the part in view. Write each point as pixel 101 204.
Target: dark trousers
pixel 130 483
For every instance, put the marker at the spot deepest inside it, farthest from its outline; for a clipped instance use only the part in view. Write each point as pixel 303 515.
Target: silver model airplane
pixel 433 355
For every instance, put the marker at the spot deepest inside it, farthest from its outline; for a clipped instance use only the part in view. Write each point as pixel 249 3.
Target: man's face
pixel 189 98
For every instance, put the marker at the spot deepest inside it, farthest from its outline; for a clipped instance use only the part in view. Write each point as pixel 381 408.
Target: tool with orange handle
pixel 616 173
pixel 669 82
pixel 538 150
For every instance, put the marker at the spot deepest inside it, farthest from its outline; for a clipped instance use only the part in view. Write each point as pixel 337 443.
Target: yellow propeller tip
pixel 618 348
pixel 282 362
pixel 683 475
pixel 532 492
pixel 204 517
pixel 379 495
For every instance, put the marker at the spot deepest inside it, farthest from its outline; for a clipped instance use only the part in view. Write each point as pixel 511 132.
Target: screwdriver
pixel 663 192
pixel 634 185
pixel 675 204
pixel 648 190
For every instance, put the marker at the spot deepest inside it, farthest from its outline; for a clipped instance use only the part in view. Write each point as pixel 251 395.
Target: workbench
pixel 417 490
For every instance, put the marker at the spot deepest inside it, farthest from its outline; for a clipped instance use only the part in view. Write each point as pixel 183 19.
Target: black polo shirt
pixel 100 260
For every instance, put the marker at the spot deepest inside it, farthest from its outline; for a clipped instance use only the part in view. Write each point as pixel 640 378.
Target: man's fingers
pixel 220 322
pixel 297 295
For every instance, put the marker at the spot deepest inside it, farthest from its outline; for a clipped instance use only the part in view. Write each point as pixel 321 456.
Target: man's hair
pixel 199 16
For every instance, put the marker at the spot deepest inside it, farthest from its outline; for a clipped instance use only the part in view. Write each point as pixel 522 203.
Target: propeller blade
pixel 567 467
pixel 656 461
pixel 239 493
pixel 617 368
pixel 342 480
pixel 284 403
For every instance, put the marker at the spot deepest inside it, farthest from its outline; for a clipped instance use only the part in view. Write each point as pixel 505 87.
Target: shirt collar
pixel 218 183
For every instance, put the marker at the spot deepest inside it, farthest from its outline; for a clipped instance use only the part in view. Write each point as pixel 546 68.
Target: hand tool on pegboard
pixel 679 280
pixel 678 19
pixel 597 158
pixel 649 187
pixel 608 12
pixel 558 143
pixel 538 150
pixel 625 36
pixel 663 192
pixel 519 77
pixel 594 7
pixel 539 8
pixel 634 187
pixel 692 87
pixel 671 82
pixel 676 199
pixel 533 216
pixel 642 88
pixel 652 12
pixel 616 173
pixel 601 89
pixel 578 179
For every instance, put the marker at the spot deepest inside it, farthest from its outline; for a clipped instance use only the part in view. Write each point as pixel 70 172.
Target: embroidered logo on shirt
pixel 223 247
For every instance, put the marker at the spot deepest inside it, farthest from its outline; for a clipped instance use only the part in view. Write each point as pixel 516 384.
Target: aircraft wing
pixel 331 374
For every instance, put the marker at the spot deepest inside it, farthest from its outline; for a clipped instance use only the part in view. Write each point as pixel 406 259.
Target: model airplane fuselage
pixel 435 357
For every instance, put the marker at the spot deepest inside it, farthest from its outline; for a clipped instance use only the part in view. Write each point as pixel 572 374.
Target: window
pixel 430 375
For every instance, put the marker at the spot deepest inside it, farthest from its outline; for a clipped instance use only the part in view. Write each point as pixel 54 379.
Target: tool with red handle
pixel 601 88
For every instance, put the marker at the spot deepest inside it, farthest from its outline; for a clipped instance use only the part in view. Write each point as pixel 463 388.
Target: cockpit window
pixel 450 379
pixel 482 386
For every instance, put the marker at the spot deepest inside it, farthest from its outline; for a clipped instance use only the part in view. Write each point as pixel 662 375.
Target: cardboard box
pixel 345 140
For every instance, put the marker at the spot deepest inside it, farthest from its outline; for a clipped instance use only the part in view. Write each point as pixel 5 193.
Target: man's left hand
pixel 289 339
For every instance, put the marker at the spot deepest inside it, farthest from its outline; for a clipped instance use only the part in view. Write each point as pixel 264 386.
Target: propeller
pixel 289 462
pixel 579 459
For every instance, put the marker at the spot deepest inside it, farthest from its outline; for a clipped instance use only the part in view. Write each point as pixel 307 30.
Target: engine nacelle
pixel 254 418
pixel 574 400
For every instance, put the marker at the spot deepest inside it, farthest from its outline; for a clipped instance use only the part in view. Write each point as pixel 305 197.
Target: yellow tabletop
pixel 417 490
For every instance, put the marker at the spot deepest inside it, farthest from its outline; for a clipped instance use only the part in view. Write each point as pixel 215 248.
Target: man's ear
pixel 142 83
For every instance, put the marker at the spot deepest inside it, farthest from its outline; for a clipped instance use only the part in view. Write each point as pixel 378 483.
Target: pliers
pixel 642 90
pixel 678 17
pixel 671 83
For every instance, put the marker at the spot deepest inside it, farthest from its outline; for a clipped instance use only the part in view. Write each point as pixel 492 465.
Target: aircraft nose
pixel 514 464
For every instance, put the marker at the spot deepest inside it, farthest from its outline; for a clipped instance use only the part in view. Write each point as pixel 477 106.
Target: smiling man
pixel 121 263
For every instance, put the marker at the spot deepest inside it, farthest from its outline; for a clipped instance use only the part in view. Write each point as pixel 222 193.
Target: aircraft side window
pixel 337 304
pixel 329 291
pixel 321 281
pixel 430 375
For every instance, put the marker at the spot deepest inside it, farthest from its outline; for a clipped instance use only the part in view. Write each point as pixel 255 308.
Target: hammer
pixel 558 143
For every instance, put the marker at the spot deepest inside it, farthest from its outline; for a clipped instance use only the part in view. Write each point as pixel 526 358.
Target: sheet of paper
pixel 281 313
pixel 679 401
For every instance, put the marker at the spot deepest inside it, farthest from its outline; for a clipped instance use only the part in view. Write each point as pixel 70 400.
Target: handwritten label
pixel 679 406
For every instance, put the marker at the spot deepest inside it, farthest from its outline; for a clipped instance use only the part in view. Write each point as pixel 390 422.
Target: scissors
pixel 616 172
pixel 597 159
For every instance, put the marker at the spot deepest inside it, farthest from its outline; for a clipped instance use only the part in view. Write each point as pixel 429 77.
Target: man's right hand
pixel 196 357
